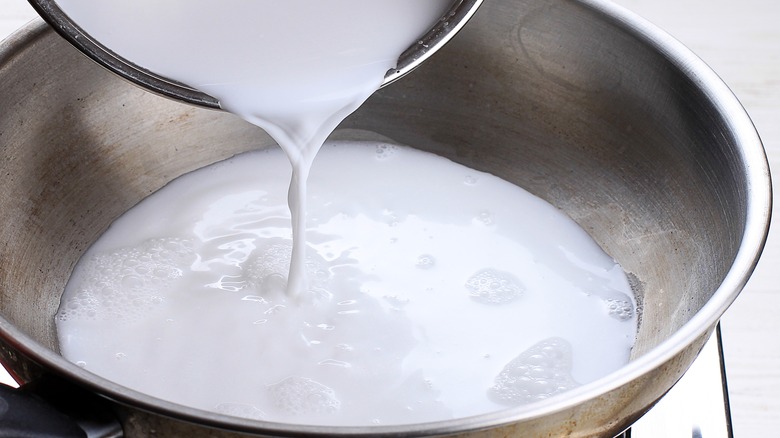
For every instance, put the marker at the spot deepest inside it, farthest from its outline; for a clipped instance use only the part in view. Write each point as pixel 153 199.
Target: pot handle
pixel 51 407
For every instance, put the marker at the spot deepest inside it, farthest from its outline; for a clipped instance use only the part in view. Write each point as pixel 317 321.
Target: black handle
pixel 52 407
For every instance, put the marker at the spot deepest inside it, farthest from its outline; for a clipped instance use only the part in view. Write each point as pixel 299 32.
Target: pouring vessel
pixel 454 18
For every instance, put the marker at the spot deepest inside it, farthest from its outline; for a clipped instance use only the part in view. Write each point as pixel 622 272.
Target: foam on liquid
pixel 452 294
pixel 425 290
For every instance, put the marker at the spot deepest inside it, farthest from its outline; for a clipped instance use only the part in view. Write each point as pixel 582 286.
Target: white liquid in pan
pixel 435 292
pixel 426 290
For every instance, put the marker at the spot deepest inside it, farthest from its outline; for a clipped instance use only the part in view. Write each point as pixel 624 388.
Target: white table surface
pixel 740 40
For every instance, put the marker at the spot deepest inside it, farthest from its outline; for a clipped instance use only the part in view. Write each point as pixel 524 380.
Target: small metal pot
pixel 579 102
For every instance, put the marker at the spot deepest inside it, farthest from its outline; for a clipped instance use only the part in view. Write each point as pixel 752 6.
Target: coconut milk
pixel 435 292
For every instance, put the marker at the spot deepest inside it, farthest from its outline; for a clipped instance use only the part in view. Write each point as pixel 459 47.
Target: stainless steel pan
pixel 579 102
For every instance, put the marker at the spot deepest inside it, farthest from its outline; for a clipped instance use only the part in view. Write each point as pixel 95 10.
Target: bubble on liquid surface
pixel 425 261
pixel 470 180
pixel 303 396
pixel 268 270
pixel 273 260
pixel 491 286
pixel 240 410
pixel 385 151
pixel 540 372
pixel 484 217
pixel 620 309
pixel 124 284
pixel 619 305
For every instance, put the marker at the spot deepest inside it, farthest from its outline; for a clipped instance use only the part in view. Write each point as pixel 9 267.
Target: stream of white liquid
pixel 422 291
pixel 295 68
